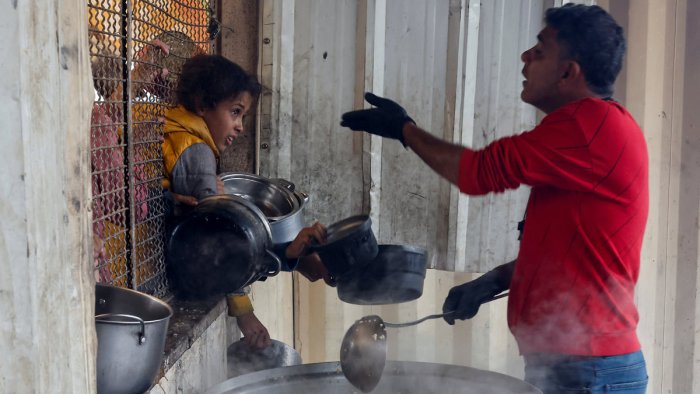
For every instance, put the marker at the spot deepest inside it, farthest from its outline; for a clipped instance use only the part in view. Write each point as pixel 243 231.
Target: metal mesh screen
pixel 137 50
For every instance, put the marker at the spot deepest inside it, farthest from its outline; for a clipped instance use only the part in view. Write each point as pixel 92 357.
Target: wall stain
pixel 65 55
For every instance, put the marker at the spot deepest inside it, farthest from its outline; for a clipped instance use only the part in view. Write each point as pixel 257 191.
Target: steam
pixel 572 312
pixel 242 359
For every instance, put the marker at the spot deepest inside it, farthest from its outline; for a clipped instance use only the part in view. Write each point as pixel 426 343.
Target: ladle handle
pixel 439 315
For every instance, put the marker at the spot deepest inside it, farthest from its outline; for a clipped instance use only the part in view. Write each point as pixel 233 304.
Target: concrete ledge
pixel 189 321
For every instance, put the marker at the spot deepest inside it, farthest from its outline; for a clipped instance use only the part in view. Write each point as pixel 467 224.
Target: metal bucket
pixel 131 329
pixel 399 377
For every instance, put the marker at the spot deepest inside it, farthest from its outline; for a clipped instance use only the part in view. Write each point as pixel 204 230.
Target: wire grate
pixel 132 90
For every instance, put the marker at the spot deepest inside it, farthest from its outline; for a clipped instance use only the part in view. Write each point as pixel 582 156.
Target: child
pixel 213 96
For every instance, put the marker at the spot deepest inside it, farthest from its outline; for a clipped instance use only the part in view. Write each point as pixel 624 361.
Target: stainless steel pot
pixel 278 199
pixel 285 229
pixel 131 329
pixel 223 245
pixel 399 377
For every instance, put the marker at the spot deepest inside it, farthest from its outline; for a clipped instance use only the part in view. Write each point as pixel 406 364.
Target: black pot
pixel 223 245
pixel 350 243
pixel 395 275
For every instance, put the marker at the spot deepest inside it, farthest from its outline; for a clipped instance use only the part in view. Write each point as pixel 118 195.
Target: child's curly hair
pixel 207 80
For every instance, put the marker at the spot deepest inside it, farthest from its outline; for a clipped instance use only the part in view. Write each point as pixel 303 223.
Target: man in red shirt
pixel 571 306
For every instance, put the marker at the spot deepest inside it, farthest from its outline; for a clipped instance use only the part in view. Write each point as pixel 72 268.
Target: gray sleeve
pixel 195 172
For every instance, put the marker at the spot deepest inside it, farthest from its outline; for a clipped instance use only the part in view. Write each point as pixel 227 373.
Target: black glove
pixel 387 120
pixel 466 298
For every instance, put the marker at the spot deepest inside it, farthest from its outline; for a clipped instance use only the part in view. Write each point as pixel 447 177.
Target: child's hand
pixel 313 269
pixel 300 246
pixel 220 188
pixel 254 333
pixel 183 199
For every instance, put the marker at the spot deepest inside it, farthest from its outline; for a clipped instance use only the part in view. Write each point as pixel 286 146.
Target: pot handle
pixel 304 197
pixel 142 334
pixel 278 264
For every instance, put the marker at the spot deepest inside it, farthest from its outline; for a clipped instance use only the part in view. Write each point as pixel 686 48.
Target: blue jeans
pixel 624 374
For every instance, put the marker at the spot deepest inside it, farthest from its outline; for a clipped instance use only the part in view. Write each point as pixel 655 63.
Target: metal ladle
pixel 363 350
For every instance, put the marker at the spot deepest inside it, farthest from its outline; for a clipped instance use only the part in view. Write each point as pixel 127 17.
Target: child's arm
pixel 194 173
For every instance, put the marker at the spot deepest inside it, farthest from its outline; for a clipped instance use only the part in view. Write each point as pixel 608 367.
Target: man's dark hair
pixel 207 80
pixel 592 38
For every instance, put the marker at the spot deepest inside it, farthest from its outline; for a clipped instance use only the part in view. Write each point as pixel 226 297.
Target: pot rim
pixel 248 204
pixel 366 225
pixel 140 294
pixel 290 194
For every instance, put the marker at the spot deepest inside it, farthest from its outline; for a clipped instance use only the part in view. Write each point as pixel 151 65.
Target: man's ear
pixel 571 70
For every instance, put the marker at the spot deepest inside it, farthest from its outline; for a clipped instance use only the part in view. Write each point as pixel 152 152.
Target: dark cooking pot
pixel 223 245
pixel 395 275
pixel 350 243
pixel 278 200
pixel 131 328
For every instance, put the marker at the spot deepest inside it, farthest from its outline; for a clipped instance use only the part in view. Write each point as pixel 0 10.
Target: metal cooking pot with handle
pixel 223 245
pixel 277 198
pixel 131 329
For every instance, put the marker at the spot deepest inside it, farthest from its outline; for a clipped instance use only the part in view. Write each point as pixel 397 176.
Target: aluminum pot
pixel 131 329
pixel 278 199
pixel 399 377
pixel 285 229
pixel 223 245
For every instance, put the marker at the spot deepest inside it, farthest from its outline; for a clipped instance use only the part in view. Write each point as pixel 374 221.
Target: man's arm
pixel 505 274
pixel 443 157
pixel 390 120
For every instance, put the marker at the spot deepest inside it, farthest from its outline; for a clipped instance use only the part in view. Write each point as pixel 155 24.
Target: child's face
pixel 225 121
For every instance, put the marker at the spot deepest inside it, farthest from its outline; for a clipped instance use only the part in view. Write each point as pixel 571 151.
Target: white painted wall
pixel 47 337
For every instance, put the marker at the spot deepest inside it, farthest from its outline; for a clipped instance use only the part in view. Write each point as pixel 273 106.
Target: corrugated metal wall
pixel 455 67
pixel 461 84
pixel 466 88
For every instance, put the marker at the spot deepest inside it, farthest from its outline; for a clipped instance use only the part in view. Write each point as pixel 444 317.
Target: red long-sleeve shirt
pixel 573 285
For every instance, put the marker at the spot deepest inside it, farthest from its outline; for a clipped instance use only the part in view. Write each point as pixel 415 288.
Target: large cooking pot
pixel 278 200
pixel 396 275
pixel 223 245
pixel 131 329
pixel 399 377
pixel 350 244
